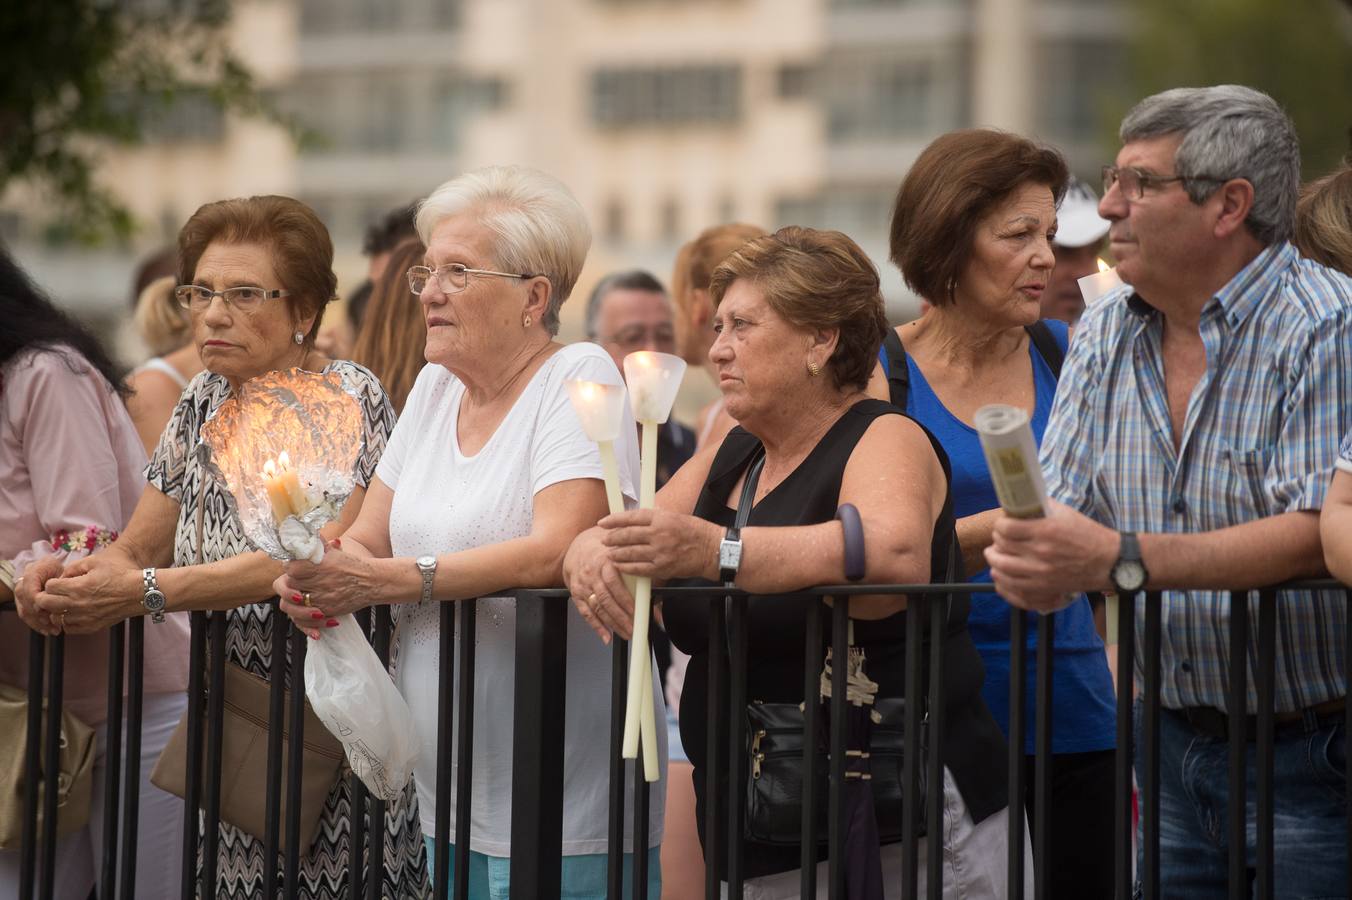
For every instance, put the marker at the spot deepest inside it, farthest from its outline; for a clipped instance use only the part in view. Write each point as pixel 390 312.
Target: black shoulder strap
pixel 1046 344
pixel 898 374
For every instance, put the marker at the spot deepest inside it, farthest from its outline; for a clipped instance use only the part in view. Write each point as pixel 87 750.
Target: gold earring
pixel 525 323
pixel 813 370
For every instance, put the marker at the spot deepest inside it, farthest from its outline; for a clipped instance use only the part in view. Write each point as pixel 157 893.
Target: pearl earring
pixel 299 337
pixel 525 323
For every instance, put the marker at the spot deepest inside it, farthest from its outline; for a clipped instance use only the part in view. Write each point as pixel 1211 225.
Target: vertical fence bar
pixel 939 605
pixel 51 768
pixel 619 679
pixel 192 792
pixel 1150 736
pixel 1347 723
pixel 441 862
pixel 215 738
pixel 812 655
pixel 464 725
pixel 1018 710
pixel 1126 679
pixel 1264 758
pixel 736 746
pixel 359 803
pixel 1042 760
pixel 131 778
pixel 1237 706
pixel 381 624
pixel 835 826
pixel 714 747
pixel 295 763
pixel 911 761
pixel 112 759
pixel 541 673
pixel 278 626
pixel 28 836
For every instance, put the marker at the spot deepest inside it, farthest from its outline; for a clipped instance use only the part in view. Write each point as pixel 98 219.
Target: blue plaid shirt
pixel 1260 437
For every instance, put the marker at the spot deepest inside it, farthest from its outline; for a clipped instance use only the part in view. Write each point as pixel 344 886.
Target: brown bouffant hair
pixel 954 183
pixel 695 264
pixel 301 247
pixel 816 279
pixel 393 332
pixel 1323 230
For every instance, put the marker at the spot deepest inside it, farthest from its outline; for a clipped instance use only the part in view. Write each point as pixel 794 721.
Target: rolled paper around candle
pixel 1011 455
pixel 600 408
pixel 1092 287
pixel 654 380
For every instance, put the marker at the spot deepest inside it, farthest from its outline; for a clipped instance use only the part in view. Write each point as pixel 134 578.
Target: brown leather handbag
pixel 244 751
pixel 74 780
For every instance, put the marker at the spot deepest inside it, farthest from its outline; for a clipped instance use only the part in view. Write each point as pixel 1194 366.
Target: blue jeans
pixel 1309 812
pixel 584 877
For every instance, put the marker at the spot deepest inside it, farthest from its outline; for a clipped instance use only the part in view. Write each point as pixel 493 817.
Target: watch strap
pixel 152 585
pixel 744 504
pixel 429 574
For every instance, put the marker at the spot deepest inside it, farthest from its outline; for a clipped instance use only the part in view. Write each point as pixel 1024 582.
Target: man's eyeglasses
pixel 245 298
pixel 452 278
pixel 662 337
pixel 1133 182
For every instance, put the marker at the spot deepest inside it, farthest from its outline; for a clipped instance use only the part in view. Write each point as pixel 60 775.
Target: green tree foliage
pixel 1298 51
pixel 76 75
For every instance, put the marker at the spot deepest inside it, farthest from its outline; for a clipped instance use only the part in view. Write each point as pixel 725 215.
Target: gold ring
pixel 305 598
pixel 62 622
pixel 591 600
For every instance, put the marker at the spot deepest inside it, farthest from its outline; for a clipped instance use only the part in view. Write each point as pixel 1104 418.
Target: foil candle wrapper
pixel 1011 455
pixel 316 420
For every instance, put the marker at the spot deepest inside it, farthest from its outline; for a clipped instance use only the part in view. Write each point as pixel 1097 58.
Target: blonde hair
pixel 816 279
pixel 1323 228
pixel 162 324
pixel 393 332
pixel 540 227
pixel 695 264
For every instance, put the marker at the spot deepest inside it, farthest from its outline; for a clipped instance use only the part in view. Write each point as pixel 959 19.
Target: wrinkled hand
pixel 339 585
pixel 662 544
pixel 92 594
pixel 26 590
pixel 1042 564
pixel 596 587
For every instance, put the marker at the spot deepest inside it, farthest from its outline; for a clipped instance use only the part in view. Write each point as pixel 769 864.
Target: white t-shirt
pixel 445 502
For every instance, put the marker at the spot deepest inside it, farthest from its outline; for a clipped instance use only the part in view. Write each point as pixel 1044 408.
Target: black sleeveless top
pixel 974 747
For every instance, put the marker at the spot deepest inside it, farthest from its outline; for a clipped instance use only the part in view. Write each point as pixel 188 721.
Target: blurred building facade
pixel 664 116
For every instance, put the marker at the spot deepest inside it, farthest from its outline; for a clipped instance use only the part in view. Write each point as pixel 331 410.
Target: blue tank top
pixel 1082 688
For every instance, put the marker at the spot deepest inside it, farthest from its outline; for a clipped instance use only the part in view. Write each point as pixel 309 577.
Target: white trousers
pixel 975 863
pixel 159 839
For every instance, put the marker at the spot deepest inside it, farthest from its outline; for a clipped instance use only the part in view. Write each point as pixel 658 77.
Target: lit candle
pixel 290 480
pixel 276 491
pixel 1101 282
pixel 653 379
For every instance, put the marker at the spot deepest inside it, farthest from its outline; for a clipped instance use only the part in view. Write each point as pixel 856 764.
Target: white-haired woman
pixel 487 479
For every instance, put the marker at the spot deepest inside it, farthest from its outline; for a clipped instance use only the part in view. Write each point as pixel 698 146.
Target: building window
pixel 669 220
pixel 1077 81
pixel 686 95
pixel 727 208
pixel 612 219
pixel 793 81
pixel 879 96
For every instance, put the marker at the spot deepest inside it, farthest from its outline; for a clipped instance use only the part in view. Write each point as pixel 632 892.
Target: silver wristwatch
pixel 730 556
pixel 427 565
pixel 153 600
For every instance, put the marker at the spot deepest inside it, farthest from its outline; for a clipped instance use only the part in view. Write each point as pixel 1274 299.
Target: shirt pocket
pixel 1248 471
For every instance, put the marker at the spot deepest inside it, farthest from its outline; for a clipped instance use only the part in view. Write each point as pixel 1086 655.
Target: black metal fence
pixel 537 764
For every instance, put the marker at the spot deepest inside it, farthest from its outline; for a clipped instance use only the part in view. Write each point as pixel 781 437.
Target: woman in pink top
pixel 70 474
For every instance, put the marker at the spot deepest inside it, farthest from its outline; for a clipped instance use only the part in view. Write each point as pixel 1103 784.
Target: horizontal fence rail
pixel 537 759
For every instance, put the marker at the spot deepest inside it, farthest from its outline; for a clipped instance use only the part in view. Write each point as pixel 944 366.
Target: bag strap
pixel 1047 345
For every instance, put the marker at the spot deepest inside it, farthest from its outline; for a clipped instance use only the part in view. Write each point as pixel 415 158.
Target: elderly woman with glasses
pixel 256 274
pixel 487 479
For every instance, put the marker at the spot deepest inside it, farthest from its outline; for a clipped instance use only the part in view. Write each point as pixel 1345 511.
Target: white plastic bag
pixel 357 701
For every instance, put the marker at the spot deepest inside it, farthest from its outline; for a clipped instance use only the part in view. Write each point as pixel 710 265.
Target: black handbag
pixel 775 790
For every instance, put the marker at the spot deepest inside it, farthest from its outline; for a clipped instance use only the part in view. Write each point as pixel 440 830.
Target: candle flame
pixel 588 391
pixel 283 461
pixel 270 469
pixel 1103 266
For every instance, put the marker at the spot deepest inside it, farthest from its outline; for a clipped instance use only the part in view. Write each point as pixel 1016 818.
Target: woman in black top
pixel 800 320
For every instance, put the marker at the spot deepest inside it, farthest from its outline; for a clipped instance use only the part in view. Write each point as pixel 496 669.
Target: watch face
pixel 153 601
pixel 1128 575
pixel 730 554
pixel 426 562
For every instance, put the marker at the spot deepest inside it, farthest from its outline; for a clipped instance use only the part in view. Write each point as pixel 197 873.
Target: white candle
pixel 653 380
pixel 1101 282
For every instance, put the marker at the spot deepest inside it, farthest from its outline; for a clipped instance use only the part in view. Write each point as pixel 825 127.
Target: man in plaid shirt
pixel 1191 446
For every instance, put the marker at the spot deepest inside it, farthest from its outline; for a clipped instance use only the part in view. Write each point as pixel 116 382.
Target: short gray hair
pixel 631 280
pixel 1229 131
pixel 540 227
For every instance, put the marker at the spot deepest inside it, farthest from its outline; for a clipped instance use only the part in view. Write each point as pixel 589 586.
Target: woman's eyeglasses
pixel 452 278
pixel 244 298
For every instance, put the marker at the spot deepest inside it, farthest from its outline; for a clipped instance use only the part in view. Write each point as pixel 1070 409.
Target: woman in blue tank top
pixel 971 232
